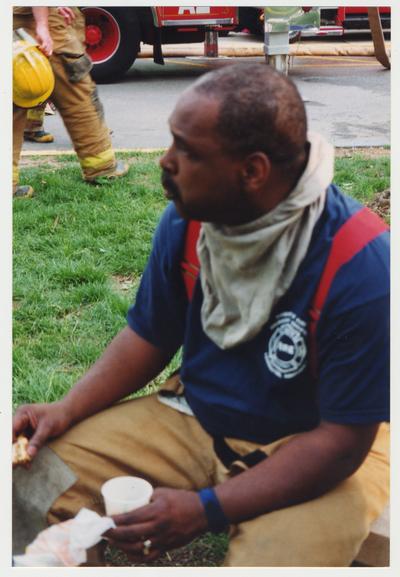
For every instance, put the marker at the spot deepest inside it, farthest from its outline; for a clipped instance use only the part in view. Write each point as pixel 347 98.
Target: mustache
pixel 169 185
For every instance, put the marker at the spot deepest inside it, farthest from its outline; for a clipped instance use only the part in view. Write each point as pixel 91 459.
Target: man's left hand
pixel 173 518
pixel 67 13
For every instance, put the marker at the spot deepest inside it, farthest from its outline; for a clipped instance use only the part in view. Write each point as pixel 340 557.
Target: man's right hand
pixel 41 17
pixel 44 39
pixel 40 422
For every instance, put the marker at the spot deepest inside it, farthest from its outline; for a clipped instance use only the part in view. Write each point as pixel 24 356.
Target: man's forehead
pixel 194 112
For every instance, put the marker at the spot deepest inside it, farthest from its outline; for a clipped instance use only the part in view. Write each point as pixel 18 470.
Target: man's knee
pixel 324 532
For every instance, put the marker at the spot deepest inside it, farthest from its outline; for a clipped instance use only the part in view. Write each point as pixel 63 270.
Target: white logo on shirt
pixel 286 353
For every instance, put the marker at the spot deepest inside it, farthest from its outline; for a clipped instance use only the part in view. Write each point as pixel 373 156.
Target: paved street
pixel 347 98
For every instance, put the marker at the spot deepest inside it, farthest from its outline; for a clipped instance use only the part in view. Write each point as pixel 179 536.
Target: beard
pixel 171 189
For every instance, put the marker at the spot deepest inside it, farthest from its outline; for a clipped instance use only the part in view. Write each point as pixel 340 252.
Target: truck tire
pixel 112 41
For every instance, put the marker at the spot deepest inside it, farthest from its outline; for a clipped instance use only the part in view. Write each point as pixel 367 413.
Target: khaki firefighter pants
pixel 19 123
pixel 31 120
pixel 146 438
pixel 75 96
pixel 35 118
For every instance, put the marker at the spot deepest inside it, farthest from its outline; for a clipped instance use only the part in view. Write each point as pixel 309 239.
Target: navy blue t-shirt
pixel 263 390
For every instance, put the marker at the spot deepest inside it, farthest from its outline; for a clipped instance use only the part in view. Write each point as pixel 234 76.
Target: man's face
pixel 198 175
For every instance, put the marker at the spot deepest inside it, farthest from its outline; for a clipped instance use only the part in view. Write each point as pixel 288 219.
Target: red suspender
pixel 360 229
pixel 190 263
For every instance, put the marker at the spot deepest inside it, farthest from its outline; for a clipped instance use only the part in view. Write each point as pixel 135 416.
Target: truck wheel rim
pixel 103 35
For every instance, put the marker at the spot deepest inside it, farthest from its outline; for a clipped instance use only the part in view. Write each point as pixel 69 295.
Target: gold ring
pixel 147 546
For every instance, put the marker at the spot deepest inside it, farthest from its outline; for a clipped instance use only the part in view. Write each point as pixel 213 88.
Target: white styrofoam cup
pixel 123 494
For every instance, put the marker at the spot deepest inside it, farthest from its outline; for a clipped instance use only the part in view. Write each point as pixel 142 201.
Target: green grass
pixel 362 177
pixel 79 252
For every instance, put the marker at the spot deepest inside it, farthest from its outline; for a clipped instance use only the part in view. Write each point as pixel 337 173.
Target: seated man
pixel 280 432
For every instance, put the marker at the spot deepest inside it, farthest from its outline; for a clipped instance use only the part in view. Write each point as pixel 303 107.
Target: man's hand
pixel 172 519
pixel 40 422
pixel 67 13
pixel 40 15
pixel 44 39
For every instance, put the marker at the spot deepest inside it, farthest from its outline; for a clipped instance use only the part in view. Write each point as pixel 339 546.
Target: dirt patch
pixel 381 204
pixel 205 551
pixel 122 284
pixel 367 152
pixel 37 161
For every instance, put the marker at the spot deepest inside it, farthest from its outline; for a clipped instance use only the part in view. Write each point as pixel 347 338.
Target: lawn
pixel 79 252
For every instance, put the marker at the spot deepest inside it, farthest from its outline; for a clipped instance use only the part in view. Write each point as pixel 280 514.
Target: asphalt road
pixel 347 99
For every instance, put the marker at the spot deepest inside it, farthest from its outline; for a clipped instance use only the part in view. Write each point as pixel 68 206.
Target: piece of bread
pixel 20 455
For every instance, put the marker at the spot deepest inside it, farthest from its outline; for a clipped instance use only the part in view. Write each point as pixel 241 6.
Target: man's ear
pixel 256 171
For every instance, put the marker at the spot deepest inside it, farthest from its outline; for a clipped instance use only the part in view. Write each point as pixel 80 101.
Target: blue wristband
pixel 216 518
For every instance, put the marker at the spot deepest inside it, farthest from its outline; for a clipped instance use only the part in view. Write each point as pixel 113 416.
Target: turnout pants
pixel 35 118
pixel 146 438
pixel 19 123
pixel 75 96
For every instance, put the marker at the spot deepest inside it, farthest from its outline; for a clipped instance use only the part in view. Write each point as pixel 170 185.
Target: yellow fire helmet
pixel 33 78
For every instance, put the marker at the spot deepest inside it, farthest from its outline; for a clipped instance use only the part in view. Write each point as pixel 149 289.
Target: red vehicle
pixel 114 34
pixel 337 20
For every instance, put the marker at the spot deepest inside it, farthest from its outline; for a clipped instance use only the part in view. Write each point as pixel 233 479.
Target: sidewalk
pixel 246 45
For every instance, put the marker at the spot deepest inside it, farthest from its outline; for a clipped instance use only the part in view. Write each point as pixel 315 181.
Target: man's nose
pixel 167 161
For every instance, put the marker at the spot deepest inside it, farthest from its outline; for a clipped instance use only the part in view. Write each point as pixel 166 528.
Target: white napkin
pixel 65 544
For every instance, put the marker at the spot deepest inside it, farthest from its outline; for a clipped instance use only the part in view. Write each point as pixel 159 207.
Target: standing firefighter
pixel 74 95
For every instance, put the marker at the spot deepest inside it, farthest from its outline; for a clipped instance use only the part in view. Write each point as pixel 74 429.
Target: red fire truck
pixel 334 20
pixel 114 34
pixel 337 20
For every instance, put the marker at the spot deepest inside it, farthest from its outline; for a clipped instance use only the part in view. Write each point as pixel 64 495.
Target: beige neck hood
pixel 245 269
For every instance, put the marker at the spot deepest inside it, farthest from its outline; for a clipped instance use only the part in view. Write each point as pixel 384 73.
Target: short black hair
pixel 260 110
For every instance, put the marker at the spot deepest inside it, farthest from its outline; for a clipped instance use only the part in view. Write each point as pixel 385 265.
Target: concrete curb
pixel 336 49
pixel 251 48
